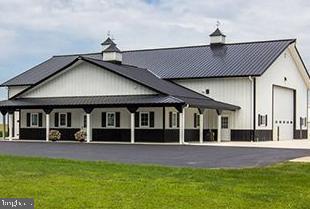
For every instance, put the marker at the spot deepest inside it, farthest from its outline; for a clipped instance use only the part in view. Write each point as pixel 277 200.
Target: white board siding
pixel 13 90
pixel 84 79
pixel 284 66
pixel 236 91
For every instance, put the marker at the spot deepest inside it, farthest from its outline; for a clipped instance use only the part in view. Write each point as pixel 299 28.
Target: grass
pixel 57 184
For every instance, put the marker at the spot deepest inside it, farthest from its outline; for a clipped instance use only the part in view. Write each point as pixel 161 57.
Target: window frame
pixel 107 120
pixel 198 120
pixel 222 122
pixel 31 115
pixel 263 120
pixel 148 119
pixel 59 120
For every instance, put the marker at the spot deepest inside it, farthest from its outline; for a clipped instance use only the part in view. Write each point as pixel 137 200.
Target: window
pixel 303 122
pixel 62 119
pixel 196 120
pixel 34 119
pixel 174 119
pixel 110 119
pixel 144 119
pixel 262 120
pixel 224 122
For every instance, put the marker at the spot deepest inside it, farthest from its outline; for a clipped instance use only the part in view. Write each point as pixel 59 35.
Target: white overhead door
pixel 283 110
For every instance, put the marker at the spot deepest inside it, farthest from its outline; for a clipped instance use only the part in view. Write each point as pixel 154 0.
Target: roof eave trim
pixel 277 56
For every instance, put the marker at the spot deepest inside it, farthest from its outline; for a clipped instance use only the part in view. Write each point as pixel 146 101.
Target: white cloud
pixel 48 26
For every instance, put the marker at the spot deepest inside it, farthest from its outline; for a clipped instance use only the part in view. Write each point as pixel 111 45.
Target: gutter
pixel 253 100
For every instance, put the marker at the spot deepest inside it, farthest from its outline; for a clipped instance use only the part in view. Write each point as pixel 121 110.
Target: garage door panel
pixel 283 110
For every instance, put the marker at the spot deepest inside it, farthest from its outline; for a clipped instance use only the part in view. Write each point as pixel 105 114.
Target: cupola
pixel 110 52
pixel 217 37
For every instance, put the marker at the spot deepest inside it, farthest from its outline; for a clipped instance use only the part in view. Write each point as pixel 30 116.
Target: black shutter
pixel 40 119
pixel 28 119
pixel 103 119
pixel 170 119
pixel 137 119
pixel 69 119
pixel 117 119
pixel 266 120
pixel 56 119
pixel 259 120
pixel 178 119
pixel 195 120
pixel 152 118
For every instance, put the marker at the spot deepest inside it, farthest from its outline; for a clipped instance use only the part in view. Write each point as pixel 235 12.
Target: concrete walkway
pixel 211 156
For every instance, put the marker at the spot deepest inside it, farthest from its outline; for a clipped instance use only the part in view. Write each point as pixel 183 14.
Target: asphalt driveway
pixel 171 155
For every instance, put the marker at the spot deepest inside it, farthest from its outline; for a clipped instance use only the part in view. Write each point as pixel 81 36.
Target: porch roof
pixel 112 101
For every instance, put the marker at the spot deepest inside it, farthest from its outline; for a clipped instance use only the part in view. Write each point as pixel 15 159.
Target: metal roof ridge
pixel 208 45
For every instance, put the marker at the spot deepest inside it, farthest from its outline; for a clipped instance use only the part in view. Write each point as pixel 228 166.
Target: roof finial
pixel 109 34
pixel 218 24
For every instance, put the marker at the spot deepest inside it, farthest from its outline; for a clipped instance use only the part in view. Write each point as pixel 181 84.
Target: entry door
pixel 225 124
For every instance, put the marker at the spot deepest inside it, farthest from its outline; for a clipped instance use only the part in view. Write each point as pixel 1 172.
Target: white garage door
pixel 283 113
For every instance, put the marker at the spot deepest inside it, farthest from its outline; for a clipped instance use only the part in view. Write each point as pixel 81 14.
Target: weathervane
pixel 109 35
pixel 218 23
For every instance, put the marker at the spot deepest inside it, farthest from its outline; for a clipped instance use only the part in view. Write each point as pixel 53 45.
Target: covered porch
pixel 130 119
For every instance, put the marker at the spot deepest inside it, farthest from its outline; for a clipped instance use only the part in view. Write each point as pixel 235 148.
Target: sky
pixel 34 30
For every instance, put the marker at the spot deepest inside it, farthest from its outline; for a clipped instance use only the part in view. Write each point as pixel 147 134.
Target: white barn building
pixel 253 91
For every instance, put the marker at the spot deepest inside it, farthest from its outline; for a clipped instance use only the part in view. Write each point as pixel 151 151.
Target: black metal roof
pixel 217 32
pixel 108 41
pixel 145 78
pixel 113 101
pixel 229 60
pixel 90 101
pixel 112 48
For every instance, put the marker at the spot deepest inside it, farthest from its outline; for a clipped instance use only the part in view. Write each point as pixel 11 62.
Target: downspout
pixel 253 99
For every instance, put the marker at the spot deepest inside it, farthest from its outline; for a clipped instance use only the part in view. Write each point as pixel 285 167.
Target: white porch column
pixel 47 112
pixel 11 121
pixel 88 128
pixel 219 126
pixel 201 127
pixel 182 126
pixel 88 111
pixel 47 118
pixel 132 127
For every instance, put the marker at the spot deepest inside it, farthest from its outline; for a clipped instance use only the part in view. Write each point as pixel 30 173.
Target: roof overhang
pixel 300 64
pixel 112 101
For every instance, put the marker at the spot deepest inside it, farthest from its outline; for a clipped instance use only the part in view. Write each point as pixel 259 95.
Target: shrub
pixel 80 135
pixel 54 135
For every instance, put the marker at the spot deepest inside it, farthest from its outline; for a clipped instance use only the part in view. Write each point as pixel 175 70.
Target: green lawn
pixel 57 184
